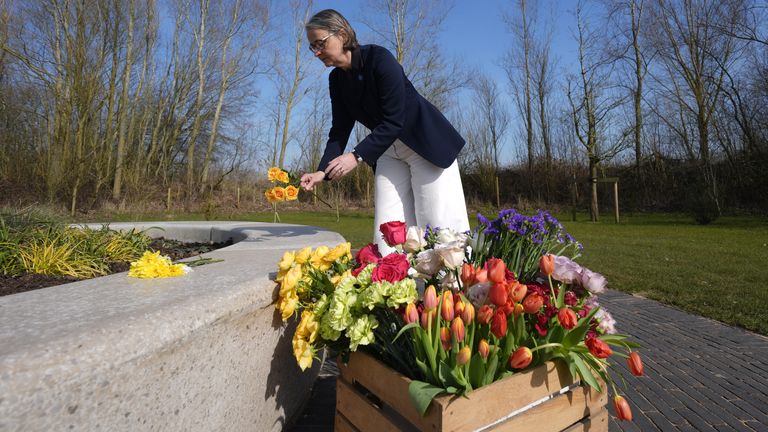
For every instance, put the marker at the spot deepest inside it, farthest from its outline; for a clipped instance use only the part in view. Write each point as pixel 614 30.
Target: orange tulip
pixel 411 314
pixel 457 329
pixel 427 318
pixel 481 276
pixel 635 364
pixel 430 297
pixel 532 303
pixel 458 306
pixel 483 348
pixel 567 318
pixel 517 291
pixel 521 358
pixel 623 411
pixel 467 275
pixel 446 309
pixel 547 264
pixel 464 355
pixel 445 338
pixel 497 270
pixel 468 314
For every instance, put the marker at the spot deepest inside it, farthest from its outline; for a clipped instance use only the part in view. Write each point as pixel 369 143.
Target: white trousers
pixel 411 189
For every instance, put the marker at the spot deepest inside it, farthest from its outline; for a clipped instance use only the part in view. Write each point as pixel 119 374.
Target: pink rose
pixel 393 268
pixel 393 232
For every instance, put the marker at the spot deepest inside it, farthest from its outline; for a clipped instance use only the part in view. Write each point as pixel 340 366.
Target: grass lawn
pixel 717 271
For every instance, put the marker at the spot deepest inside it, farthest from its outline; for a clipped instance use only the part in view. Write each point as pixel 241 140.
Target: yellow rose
pixel 279 193
pixel 282 177
pixel 339 251
pixel 303 255
pixel 290 280
pixel 287 261
pixel 291 193
pixel 287 306
pixel 273 173
pixel 270 196
pixel 308 327
pixel 318 255
pixel 303 353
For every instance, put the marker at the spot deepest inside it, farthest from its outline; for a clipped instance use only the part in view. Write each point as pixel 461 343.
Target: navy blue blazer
pixel 376 93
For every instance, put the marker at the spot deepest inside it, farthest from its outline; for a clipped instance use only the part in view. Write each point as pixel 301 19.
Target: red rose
pixel 392 268
pixel 598 348
pixel 499 324
pixel 393 232
pixel 368 254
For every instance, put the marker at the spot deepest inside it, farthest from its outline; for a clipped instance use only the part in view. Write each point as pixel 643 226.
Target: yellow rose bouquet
pixel 286 188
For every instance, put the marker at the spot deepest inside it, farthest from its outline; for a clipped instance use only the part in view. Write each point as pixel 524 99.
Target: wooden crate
pixel 372 397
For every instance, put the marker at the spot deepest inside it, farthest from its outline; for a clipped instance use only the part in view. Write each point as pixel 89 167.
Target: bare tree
pixel 518 67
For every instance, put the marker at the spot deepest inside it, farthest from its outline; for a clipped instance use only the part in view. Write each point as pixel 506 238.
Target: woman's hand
pixel 309 180
pixel 341 166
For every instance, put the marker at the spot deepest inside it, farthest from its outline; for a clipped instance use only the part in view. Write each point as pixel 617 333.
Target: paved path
pixel 700 375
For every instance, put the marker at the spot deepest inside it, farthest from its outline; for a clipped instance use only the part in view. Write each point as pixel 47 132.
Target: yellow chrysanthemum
pixel 287 261
pixel 153 265
pixel 282 177
pixel 273 174
pixel 291 193
pixel 303 255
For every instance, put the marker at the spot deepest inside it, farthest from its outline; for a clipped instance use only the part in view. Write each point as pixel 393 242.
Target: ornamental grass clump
pixel 455 311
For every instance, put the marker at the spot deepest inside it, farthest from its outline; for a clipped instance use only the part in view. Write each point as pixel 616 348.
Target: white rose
pixel 449 281
pixel 593 282
pixel 428 262
pixel 414 239
pixel 452 254
pixel 447 235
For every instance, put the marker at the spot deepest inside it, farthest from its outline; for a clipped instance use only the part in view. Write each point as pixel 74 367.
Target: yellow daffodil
pixel 153 265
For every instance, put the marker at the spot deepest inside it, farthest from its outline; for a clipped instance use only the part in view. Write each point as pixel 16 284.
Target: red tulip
pixel 532 303
pixel 521 358
pixel 457 329
pixel 464 355
pixel 481 276
pixel 567 318
pixel 499 324
pixel 517 291
pixel 483 348
pixel 598 348
pixel 547 264
pixel 468 314
pixel 446 309
pixel 411 314
pixel 430 297
pixel 445 338
pixel 623 411
pixel 498 293
pixel 484 314
pixel 635 363
pixel 497 270
pixel 467 275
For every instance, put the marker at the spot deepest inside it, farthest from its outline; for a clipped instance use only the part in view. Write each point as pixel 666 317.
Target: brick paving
pixel 700 375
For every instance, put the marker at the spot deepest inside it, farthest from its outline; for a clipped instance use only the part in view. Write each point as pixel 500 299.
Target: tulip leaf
pixel 490 371
pixel 404 329
pixel 585 372
pixel 422 393
pixel 446 375
pixel 476 370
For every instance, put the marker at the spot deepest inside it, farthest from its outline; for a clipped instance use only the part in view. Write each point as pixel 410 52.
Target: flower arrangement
pixel 456 311
pixel 154 265
pixel 285 189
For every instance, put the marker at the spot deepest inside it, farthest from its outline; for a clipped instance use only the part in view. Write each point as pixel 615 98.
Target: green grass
pixel 718 271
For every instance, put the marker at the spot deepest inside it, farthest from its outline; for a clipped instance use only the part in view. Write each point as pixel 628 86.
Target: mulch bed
pixel 171 248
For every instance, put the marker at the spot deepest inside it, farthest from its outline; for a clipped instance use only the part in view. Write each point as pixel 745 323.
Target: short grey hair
pixel 333 21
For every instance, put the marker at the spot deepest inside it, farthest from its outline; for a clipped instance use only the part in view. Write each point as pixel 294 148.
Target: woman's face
pixel 328 47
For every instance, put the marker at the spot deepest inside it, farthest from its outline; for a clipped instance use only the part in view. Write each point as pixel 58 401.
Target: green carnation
pixel 403 292
pixel 338 313
pixel 371 297
pixel 327 332
pixel 321 305
pixel 361 331
pixel 364 277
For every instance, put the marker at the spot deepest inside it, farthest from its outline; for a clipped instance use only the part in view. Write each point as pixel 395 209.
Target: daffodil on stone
pixel 154 265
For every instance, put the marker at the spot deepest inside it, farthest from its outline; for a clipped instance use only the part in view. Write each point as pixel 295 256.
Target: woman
pixel 412 146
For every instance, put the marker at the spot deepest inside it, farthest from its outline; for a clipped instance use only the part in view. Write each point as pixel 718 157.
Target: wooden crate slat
pixel 359 411
pixel 597 422
pixel 341 424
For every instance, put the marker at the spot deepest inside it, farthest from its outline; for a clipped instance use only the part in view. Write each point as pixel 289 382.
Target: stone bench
pixel 202 352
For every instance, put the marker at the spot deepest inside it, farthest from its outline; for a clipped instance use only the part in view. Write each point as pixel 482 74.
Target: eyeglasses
pixel 319 44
